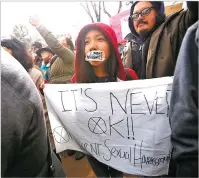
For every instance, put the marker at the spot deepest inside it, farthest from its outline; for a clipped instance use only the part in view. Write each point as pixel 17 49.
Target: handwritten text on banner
pixel 122 124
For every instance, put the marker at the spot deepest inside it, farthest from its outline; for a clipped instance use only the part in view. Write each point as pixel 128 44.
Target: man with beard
pixel 156 39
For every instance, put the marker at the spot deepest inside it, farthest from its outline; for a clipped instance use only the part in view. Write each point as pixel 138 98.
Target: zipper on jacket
pixel 141 62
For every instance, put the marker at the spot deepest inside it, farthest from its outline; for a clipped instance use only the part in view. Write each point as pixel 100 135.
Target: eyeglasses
pixel 145 12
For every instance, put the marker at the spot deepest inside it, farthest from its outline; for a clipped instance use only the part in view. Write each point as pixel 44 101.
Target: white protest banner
pixel 122 124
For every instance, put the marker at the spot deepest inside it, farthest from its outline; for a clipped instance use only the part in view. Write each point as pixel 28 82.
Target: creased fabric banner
pixel 122 124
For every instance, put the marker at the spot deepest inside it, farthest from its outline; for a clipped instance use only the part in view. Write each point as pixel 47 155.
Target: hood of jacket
pixel 111 36
pixel 160 18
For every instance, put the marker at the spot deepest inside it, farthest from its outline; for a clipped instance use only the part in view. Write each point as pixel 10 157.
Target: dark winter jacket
pixel 24 148
pixel 157 56
pixel 184 106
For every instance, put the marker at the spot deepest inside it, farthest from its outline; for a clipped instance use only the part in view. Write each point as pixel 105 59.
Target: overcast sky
pixel 59 17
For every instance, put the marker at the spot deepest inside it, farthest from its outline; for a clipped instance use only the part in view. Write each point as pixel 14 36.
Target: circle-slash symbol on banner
pixel 97 125
pixel 61 135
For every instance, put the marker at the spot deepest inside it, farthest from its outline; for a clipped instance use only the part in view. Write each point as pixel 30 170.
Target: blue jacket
pixel 184 106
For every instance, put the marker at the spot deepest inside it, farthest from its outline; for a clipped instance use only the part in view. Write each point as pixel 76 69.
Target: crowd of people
pixel 159 46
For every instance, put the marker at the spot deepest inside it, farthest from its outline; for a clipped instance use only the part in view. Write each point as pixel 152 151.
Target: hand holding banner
pixel 122 124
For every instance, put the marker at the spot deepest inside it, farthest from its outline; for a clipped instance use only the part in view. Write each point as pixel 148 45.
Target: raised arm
pixel 64 53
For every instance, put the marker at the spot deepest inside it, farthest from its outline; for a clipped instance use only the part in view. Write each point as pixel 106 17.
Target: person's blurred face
pixel 46 56
pixel 95 40
pixel 33 54
pixel 64 42
pixel 144 22
pixel 34 49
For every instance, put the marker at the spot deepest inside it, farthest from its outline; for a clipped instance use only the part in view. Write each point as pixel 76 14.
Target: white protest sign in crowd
pixel 122 124
pixel 125 26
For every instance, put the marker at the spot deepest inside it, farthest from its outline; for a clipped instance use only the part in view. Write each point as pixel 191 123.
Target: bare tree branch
pixel 97 7
pixel 95 10
pixel 105 10
pixel 99 11
pixel 128 3
pixel 21 32
pixel 84 8
pixel 87 11
pixel 120 7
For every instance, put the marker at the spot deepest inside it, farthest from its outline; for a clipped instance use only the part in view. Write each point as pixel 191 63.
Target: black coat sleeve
pixel 191 13
pixel 193 8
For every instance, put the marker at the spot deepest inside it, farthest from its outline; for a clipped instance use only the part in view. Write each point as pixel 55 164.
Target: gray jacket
pixel 24 146
pixel 184 106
